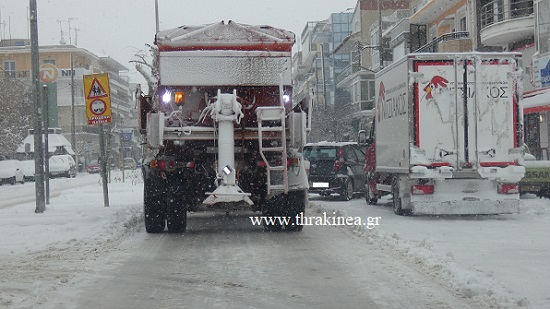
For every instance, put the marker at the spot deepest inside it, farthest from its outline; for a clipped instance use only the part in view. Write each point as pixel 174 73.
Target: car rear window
pixel 319 153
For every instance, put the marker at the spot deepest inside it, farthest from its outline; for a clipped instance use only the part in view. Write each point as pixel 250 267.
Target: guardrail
pixel 432 47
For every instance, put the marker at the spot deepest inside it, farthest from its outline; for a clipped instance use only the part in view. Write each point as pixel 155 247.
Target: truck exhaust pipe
pixel 224 111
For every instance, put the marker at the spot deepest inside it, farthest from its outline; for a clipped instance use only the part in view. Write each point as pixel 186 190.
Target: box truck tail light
pixel 508 188
pixel 440 164
pixel 422 189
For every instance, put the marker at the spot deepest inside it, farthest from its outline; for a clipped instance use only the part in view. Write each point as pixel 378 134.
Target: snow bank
pixel 479 287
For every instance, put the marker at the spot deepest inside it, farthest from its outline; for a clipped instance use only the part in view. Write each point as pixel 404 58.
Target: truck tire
pixel 176 215
pixel 13 181
pixel 397 202
pixel 270 211
pixel 347 190
pixel 370 197
pixel 154 215
pixel 297 201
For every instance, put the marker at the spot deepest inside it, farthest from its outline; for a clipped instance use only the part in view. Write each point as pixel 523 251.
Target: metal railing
pixel 432 47
pixel 498 11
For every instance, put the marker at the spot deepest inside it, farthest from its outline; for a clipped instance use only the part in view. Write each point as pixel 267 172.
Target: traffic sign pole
pixel 103 166
pixel 98 111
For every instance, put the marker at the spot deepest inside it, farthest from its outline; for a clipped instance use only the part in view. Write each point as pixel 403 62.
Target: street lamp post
pixel 38 146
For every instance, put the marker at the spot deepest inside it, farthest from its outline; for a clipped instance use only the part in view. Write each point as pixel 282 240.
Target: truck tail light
pixel 169 164
pixel 422 189
pixel 508 188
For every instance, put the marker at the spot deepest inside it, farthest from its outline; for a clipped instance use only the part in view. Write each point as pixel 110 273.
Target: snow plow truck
pixel 221 131
pixel 447 134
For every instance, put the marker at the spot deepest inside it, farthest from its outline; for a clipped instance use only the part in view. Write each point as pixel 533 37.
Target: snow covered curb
pixel 481 288
pixel 44 252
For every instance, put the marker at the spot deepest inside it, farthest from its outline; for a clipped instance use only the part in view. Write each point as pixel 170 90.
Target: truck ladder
pixel 275 118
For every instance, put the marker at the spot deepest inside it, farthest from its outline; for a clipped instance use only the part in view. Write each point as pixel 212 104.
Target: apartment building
pixel 59 65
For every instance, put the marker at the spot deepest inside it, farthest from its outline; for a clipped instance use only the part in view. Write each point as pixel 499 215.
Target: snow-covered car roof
pixel 225 36
pixel 330 144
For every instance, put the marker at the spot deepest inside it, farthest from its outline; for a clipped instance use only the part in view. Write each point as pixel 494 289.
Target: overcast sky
pixel 119 28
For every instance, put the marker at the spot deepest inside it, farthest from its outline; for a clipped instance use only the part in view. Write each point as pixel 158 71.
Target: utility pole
pixel 46 142
pixel 380 43
pixel 157 16
pixel 38 150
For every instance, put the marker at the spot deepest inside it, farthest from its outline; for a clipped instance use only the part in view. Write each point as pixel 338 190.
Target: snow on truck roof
pixel 225 36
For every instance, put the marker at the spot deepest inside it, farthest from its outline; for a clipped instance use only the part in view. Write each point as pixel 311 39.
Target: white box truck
pixel 447 134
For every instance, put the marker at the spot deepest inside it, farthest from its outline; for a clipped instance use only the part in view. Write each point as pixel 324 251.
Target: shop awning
pixel 537 103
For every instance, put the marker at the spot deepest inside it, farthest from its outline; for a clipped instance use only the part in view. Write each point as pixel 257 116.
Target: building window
pixel 462 24
pixel 51 61
pixel 543 26
pixel 9 69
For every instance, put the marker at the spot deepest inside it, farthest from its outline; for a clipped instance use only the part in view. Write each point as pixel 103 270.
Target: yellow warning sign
pixel 98 98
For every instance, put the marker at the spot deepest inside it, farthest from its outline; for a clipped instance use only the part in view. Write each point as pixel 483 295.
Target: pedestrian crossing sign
pixel 98 99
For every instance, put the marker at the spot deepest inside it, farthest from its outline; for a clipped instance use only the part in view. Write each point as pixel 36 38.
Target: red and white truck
pixel 222 131
pixel 447 134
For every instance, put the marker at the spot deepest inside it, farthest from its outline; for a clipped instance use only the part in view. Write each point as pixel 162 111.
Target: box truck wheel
pixel 370 197
pixel 397 202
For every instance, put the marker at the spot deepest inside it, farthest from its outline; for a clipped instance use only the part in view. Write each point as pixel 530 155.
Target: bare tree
pixel 143 65
pixel 16 115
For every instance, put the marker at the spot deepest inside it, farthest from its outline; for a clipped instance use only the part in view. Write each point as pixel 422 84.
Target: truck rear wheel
pixel 176 215
pixel 154 215
pixel 297 201
pixel 271 209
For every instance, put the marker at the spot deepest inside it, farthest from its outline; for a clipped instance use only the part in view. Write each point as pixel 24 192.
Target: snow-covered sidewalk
pixel 41 252
pixel 501 259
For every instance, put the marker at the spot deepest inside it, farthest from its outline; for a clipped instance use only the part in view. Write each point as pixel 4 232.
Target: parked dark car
pixel 336 168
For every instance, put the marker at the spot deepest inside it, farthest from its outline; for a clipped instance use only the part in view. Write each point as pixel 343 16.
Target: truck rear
pixel 222 132
pixel 447 136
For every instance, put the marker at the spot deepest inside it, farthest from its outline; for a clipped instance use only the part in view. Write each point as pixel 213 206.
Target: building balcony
pixel 449 42
pixel 504 22
pixel 429 11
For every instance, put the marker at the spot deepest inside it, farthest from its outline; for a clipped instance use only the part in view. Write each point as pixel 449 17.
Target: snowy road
pixel 225 262
pixel 79 254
